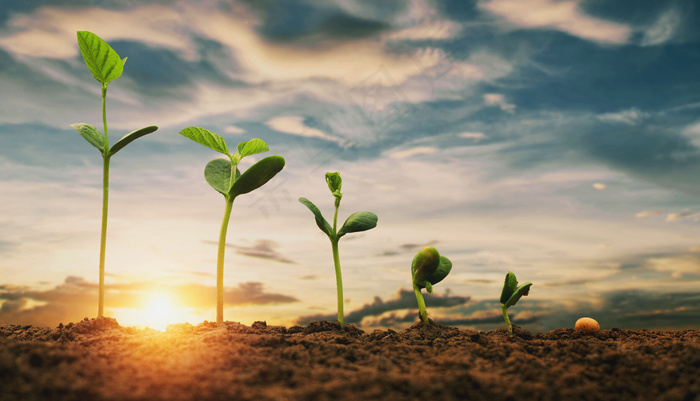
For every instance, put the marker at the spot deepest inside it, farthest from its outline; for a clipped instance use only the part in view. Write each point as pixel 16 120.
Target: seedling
pixel 218 174
pixel 105 65
pixel 360 221
pixel 427 269
pixel 510 295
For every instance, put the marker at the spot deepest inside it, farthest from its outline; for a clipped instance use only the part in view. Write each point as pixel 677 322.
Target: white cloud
pixel 682 216
pixel 599 186
pixel 295 125
pixel 565 16
pixel 630 117
pixel 494 99
pixel 663 29
pixel 472 135
pixel 419 150
pixel 232 129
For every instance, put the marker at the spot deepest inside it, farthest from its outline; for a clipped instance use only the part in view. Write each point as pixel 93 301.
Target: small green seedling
pixel 427 269
pixel 361 221
pixel 105 65
pixel 510 295
pixel 218 174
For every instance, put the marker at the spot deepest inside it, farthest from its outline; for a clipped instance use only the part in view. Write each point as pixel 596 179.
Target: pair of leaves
pixel 218 175
pixel 511 293
pixel 96 139
pixel 218 171
pixel 103 62
pixel 360 221
pixel 429 268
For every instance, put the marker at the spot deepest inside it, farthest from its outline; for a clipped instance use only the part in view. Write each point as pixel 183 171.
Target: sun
pixel 160 311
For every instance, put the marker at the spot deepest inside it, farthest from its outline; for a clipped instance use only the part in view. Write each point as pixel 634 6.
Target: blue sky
pixel 556 139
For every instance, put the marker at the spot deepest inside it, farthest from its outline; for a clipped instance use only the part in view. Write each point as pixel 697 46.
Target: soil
pixel 97 359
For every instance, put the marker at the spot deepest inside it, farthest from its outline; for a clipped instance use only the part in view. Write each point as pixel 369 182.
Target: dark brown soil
pixel 99 360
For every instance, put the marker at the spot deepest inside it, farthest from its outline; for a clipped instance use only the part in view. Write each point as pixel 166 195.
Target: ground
pixel 97 359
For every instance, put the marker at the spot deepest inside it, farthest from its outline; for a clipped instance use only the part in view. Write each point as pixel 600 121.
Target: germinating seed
pixel 586 325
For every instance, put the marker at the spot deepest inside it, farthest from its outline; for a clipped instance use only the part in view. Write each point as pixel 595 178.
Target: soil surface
pixel 97 359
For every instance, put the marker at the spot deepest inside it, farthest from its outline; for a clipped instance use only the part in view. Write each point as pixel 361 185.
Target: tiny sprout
pixel 427 269
pixel 510 295
pixel 361 221
pixel 105 65
pixel 225 178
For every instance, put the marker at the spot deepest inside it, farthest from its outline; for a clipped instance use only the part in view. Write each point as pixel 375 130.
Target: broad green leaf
pixel 424 264
pixel 320 221
pixel 441 272
pixel 252 147
pixel 218 175
pixel 130 137
pixel 509 286
pixel 207 138
pixel 91 134
pixel 519 292
pixel 257 175
pixel 103 62
pixel 360 221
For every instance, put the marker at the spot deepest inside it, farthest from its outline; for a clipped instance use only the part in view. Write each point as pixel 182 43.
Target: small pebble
pixel 586 325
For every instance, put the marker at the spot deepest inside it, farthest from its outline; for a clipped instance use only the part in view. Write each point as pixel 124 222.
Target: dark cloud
pixel 406 248
pixel 404 299
pixel 76 298
pixel 263 249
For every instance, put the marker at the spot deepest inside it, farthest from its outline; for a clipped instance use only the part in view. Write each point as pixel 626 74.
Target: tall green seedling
pixel 510 295
pixel 427 269
pixel 225 177
pixel 360 221
pixel 105 65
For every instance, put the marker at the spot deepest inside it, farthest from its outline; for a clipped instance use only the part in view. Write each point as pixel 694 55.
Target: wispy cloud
pixel 663 29
pixel 295 125
pixel 629 117
pixel 565 16
pixel 419 150
pixel 495 99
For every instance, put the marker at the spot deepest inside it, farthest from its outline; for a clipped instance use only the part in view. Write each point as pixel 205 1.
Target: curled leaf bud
pixel 334 184
pixel 424 264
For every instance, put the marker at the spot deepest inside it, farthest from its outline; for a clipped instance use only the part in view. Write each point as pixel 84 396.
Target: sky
pixel 559 140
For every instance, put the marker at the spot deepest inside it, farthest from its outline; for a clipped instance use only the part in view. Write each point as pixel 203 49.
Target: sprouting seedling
pixel 427 269
pixel 510 295
pixel 218 174
pixel 105 65
pixel 360 221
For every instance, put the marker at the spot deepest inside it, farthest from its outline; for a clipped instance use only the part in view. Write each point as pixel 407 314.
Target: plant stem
pixel 338 281
pixel 421 305
pixel 505 317
pixel 220 262
pixel 105 203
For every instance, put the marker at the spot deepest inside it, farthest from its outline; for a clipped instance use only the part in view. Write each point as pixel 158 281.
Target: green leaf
pixel 103 62
pixel 130 137
pixel 424 264
pixel 91 134
pixel 218 175
pixel 257 175
pixel 206 138
pixel 508 287
pixel 252 147
pixel 334 182
pixel 441 272
pixel 320 221
pixel 519 292
pixel 360 221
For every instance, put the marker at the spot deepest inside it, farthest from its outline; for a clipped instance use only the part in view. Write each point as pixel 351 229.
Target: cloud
pixel 494 99
pixel 599 186
pixel 295 125
pixel 563 15
pixel 682 215
pixel 404 299
pixel 420 150
pixel 648 213
pixel 663 29
pixel 629 117
pixel 472 135
pixel 263 249
pixel 232 129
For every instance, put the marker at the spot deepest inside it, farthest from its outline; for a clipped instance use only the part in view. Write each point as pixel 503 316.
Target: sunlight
pixel 159 311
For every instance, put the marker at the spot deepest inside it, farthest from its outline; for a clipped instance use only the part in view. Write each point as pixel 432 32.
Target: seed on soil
pixel 586 325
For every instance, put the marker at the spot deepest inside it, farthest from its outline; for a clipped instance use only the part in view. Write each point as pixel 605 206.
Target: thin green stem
pixel 220 262
pixel 421 305
pixel 504 309
pixel 105 203
pixel 338 281
pixel 104 114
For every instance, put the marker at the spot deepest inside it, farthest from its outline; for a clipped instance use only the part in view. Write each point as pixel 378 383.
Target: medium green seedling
pixel 427 269
pixel 360 221
pixel 218 174
pixel 105 65
pixel 510 295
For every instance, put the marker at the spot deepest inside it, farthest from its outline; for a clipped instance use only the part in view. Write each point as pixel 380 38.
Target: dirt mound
pixel 97 359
